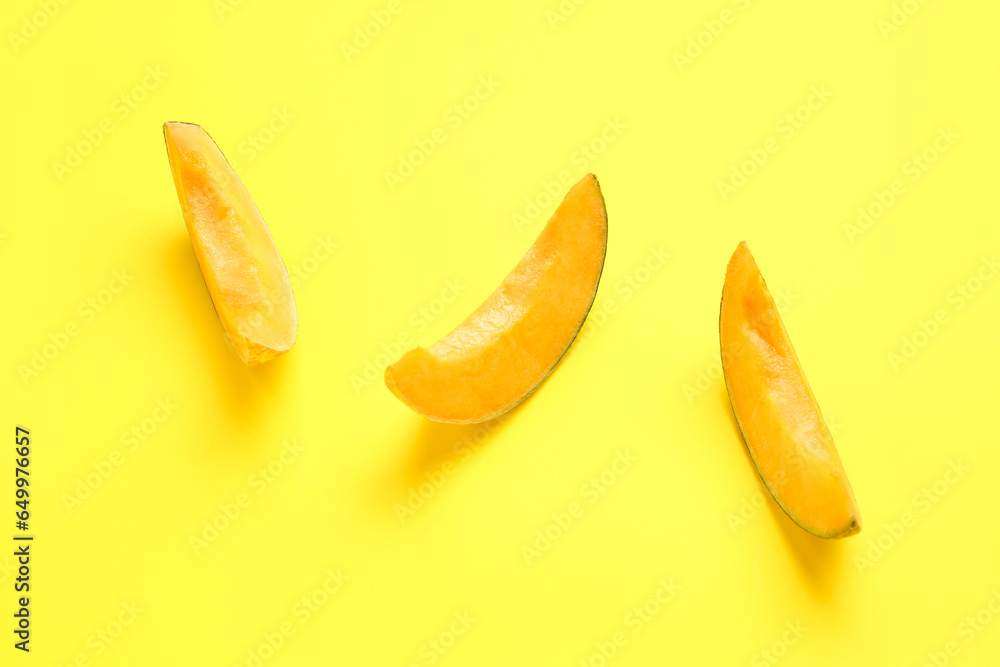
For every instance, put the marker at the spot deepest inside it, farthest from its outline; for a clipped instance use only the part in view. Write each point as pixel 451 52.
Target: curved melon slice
pixel 242 268
pixel 501 353
pixel 775 408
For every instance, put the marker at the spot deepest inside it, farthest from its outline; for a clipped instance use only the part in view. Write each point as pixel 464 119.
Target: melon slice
pixel 243 271
pixel 505 349
pixel 776 410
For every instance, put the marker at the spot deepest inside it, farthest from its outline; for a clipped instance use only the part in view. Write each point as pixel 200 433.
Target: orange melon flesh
pixel 505 349
pixel 775 409
pixel 243 271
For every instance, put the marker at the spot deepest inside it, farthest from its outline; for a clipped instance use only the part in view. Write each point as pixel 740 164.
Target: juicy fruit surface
pixel 775 409
pixel 505 349
pixel 243 271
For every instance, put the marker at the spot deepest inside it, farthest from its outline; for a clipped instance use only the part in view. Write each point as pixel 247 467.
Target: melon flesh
pixel 243 271
pixel 776 410
pixel 505 349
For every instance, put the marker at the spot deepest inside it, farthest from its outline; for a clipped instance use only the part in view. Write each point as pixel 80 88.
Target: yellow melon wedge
pixel 243 271
pixel 776 410
pixel 504 350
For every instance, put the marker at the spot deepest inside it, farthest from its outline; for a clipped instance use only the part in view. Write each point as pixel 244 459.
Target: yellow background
pixel 643 383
